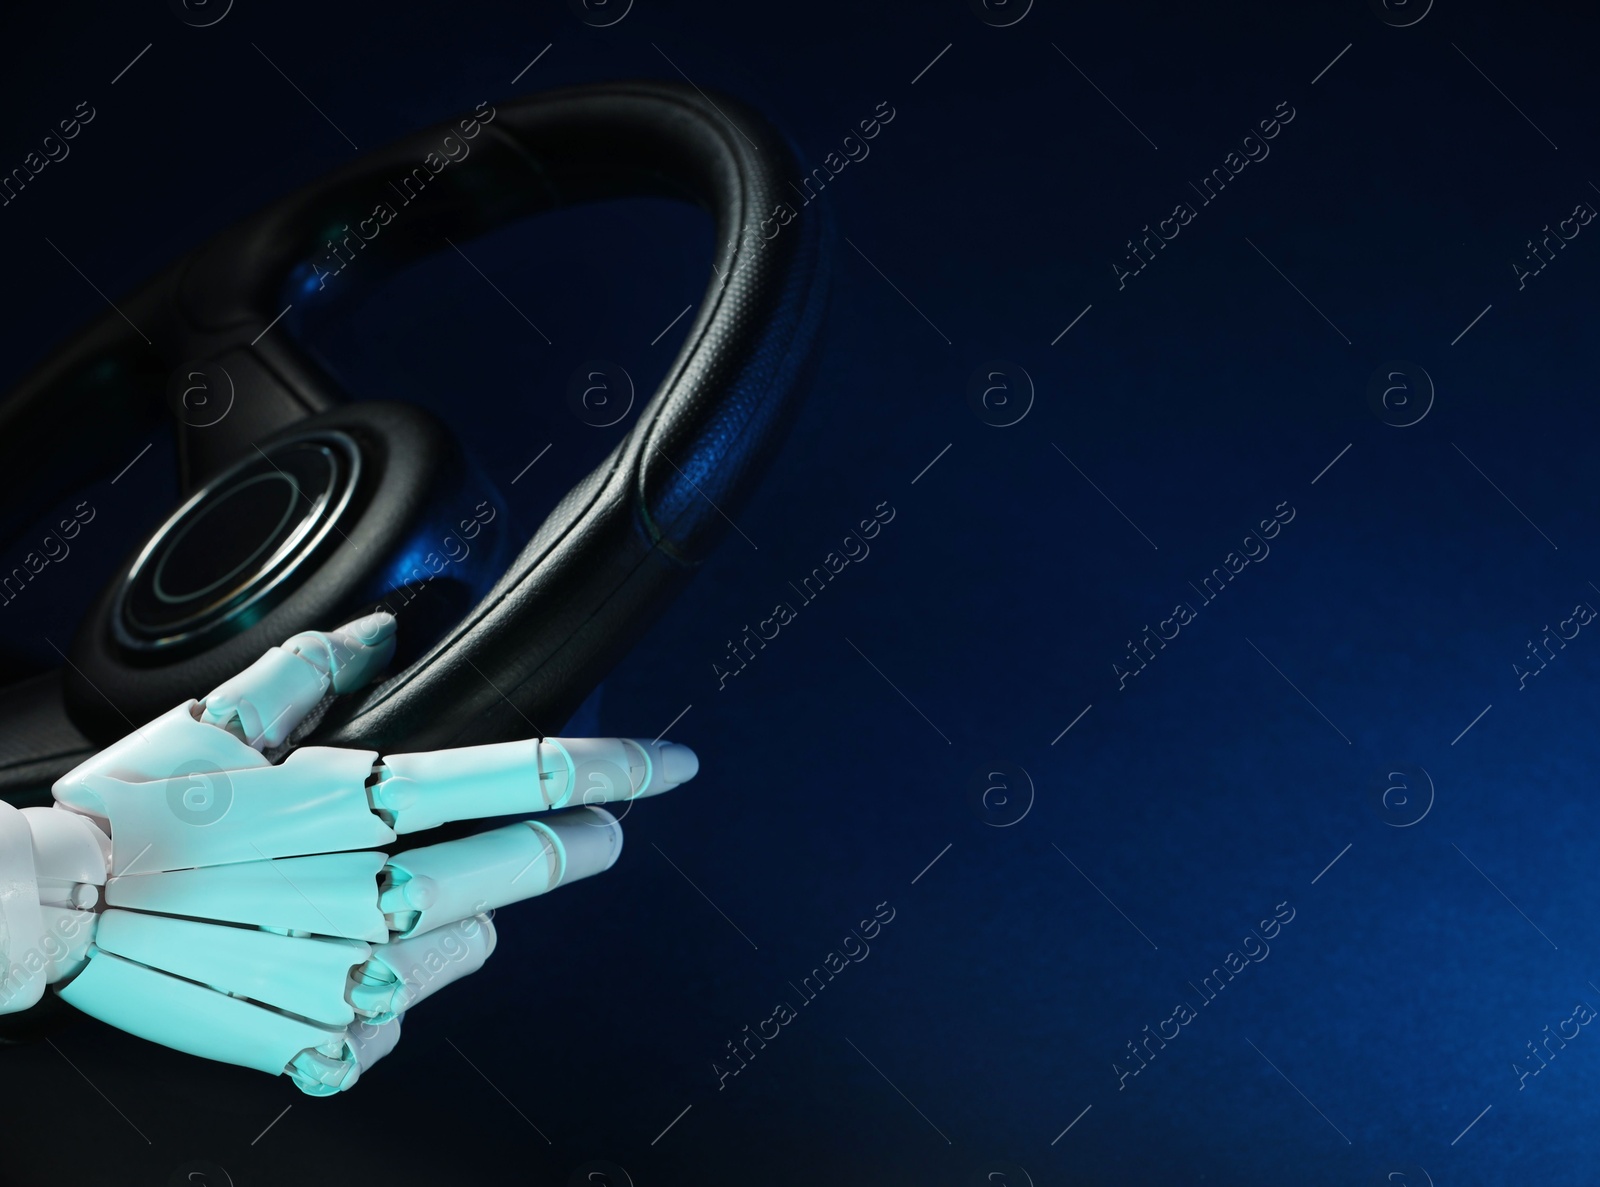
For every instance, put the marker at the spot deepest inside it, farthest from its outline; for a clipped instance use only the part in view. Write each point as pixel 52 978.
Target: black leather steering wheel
pixel 595 573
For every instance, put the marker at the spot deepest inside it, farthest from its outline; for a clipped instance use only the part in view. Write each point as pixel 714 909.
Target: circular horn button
pixel 238 545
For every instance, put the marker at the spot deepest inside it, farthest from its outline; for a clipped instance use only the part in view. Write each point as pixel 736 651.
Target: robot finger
pixel 413 792
pixel 426 888
pixel 263 704
pixel 251 712
pixel 199 1020
pixel 320 1058
pixel 336 1066
pixel 402 973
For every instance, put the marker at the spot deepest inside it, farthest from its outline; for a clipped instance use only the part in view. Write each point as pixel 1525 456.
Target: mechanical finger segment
pixel 315 801
pixel 418 791
pixel 296 974
pixel 264 703
pixel 331 894
pixel 195 1018
pixel 401 974
pixel 429 887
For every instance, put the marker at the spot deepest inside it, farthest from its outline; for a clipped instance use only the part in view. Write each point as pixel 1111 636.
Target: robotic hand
pixel 187 889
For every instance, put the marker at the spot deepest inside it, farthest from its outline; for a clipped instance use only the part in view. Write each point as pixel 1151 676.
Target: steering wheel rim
pixel 606 560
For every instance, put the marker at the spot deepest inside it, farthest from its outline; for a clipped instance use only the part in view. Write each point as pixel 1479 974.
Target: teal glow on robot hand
pixel 187 889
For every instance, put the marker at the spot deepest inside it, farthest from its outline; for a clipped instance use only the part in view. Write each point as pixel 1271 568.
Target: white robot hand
pixel 187 889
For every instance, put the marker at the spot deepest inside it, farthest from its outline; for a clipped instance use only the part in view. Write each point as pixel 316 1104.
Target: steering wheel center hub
pixel 237 546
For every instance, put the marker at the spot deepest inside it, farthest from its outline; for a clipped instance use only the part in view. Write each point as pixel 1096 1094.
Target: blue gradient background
pixel 1196 799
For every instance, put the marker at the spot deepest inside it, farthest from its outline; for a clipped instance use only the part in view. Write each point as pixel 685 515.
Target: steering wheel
pixel 297 504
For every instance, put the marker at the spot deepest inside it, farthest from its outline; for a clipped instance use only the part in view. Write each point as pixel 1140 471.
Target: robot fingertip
pixel 679 764
pixel 374 628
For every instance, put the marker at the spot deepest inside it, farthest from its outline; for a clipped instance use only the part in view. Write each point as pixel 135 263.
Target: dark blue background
pixel 1197 398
